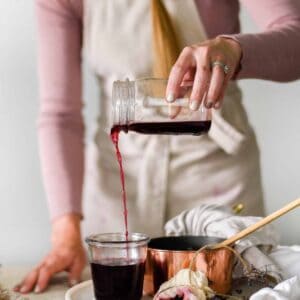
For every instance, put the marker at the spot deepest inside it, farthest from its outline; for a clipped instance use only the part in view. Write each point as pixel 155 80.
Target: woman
pixel 164 174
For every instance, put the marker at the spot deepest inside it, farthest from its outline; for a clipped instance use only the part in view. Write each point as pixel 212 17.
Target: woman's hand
pixel 195 64
pixel 67 254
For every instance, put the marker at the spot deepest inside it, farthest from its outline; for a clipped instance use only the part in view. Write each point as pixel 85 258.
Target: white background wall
pixel 24 226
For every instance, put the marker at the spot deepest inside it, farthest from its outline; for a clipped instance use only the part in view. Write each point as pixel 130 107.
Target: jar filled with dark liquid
pixel 141 106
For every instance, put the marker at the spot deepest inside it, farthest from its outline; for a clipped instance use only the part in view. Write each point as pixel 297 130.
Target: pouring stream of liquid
pixel 115 139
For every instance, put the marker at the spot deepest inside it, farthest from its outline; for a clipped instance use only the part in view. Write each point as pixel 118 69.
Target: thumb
pixel 75 271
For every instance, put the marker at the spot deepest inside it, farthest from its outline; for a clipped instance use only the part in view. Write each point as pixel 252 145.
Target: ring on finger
pixel 224 66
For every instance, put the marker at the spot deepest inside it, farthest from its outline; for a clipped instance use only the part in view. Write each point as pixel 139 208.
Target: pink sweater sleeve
pixel 60 124
pixel 272 54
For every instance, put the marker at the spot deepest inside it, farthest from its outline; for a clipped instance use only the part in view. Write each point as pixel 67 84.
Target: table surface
pixel 10 276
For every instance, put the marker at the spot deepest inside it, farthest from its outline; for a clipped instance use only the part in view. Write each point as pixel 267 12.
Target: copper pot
pixel 167 255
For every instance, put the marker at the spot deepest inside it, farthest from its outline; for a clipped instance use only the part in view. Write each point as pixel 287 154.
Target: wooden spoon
pixel 270 218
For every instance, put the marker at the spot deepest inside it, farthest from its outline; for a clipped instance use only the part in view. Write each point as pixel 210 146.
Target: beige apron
pixel 164 174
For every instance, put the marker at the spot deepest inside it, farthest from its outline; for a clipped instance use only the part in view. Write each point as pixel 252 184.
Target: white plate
pixel 81 291
pixel 84 291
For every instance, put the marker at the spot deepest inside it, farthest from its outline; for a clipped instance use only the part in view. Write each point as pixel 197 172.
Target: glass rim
pixel 102 239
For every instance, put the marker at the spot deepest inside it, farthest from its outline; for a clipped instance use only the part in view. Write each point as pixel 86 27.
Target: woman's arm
pixel 61 139
pixel 272 54
pixel 60 124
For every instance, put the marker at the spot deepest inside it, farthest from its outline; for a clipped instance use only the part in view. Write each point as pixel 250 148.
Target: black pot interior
pixel 182 243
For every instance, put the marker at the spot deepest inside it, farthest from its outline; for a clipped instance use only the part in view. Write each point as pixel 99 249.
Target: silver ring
pixel 225 67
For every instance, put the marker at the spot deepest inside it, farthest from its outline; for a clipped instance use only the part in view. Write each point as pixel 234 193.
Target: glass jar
pixel 141 106
pixel 118 265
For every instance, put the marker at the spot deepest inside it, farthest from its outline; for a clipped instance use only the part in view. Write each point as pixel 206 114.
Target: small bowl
pixel 168 255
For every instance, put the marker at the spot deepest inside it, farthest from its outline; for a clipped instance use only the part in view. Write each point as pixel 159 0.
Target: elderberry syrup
pixel 118 279
pixel 170 128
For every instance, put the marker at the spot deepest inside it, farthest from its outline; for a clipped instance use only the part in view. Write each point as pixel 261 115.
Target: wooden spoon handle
pixel 270 218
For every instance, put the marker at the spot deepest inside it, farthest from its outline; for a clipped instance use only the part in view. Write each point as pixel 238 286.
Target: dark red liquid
pixel 115 139
pixel 174 128
pixel 118 279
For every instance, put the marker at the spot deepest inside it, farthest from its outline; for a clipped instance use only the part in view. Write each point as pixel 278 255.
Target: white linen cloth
pixel 260 249
pixel 286 290
pixel 189 284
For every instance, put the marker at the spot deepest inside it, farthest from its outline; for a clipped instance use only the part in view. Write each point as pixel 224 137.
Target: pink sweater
pixel 272 54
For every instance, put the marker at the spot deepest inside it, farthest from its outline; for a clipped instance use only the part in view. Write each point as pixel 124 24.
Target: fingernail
pixel 170 97
pixel 37 289
pixel 23 289
pixel 194 105
pixel 73 282
pixel 209 104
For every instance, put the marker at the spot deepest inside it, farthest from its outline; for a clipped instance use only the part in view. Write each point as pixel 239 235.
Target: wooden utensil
pixel 270 218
